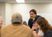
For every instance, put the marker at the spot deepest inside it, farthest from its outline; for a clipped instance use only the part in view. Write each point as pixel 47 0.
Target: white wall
pixel 2 11
pixel 44 10
pixel 8 13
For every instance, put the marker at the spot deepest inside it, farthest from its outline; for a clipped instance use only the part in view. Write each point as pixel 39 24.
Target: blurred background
pixel 9 7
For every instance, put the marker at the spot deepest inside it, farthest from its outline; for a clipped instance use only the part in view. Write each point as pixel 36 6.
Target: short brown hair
pixel 33 10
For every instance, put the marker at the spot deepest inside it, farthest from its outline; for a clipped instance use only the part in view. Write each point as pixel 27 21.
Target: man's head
pixel 33 13
pixel 1 21
pixel 16 18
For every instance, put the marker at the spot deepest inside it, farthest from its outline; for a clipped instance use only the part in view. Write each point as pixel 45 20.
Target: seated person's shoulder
pixel 26 27
pixel 27 30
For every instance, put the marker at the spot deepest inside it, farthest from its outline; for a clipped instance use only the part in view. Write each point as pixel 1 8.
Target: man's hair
pixel 33 10
pixel 16 18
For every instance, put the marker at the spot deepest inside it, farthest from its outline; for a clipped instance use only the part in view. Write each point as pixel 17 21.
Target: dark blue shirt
pixel 30 22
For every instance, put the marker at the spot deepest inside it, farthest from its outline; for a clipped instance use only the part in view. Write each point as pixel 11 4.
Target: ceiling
pixel 27 1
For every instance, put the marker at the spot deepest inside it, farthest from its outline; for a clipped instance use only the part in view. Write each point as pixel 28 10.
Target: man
pixel 33 16
pixel 1 23
pixel 16 29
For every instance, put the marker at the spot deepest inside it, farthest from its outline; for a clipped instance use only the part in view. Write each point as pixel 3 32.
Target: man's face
pixel 32 15
pixel 1 21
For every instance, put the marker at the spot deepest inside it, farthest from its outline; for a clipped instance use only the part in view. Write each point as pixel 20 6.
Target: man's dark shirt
pixel 30 22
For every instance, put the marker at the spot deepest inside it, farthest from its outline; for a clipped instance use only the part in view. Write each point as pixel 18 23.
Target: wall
pixel 8 14
pixel 2 11
pixel 44 10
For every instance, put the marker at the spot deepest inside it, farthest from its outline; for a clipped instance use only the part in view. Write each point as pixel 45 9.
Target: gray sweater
pixel 48 33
